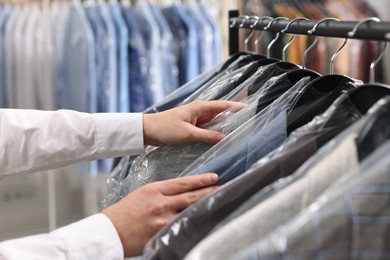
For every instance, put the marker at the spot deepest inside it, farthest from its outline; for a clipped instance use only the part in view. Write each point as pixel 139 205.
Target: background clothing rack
pixel 377 31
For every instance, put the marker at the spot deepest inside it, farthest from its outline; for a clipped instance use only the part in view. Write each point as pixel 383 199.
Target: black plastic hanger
pixel 252 55
pixel 376 130
pixel 356 103
pixel 291 72
pixel 320 93
pixel 367 95
pixel 291 78
pixel 315 99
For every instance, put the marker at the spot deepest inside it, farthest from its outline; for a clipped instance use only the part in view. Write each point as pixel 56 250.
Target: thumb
pixel 206 136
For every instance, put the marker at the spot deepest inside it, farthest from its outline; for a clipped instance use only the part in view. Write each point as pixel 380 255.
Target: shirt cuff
pixel 94 237
pixel 118 134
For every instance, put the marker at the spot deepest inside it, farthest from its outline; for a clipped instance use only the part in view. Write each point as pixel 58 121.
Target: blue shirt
pixel 191 69
pixel 78 73
pixel 122 39
pixel 95 22
pixel 140 98
pixel 239 159
pixel 107 96
pixel 168 59
pixel 216 34
pixel 180 42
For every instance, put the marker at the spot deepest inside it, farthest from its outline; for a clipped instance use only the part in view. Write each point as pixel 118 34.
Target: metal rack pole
pixel 378 31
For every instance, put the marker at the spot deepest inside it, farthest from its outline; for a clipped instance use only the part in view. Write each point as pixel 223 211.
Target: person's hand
pixel 181 125
pixel 142 213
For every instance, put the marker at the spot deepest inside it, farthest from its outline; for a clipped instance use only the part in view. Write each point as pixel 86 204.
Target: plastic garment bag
pixel 224 82
pixel 172 242
pixel 304 187
pixel 334 123
pixel 348 221
pixel 160 163
pixel 286 198
pixel 260 135
pixel 171 100
pixel 236 61
pixel 201 81
pixel 195 222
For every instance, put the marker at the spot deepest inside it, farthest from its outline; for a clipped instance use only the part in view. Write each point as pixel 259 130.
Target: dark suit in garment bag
pixel 270 116
pixel 160 163
pixel 195 222
pixel 350 220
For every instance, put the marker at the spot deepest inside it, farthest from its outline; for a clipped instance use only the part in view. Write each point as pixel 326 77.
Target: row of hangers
pixel 312 31
pixel 363 97
pixel 254 20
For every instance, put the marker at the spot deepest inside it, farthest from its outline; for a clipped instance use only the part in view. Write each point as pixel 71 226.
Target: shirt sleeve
pixel 35 140
pixel 94 237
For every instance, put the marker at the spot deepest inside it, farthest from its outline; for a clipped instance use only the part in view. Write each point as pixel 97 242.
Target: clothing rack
pixel 377 31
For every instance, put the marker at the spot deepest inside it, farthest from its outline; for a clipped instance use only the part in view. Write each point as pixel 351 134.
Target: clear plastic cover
pixel 257 137
pixel 195 222
pixel 171 100
pixel 304 186
pixel 160 163
pixel 212 88
pixel 348 221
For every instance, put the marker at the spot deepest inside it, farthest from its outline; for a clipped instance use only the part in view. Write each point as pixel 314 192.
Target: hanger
pixel 257 56
pixel 241 20
pixel 315 39
pixel 376 130
pixel 296 75
pixel 292 75
pixel 352 34
pixel 277 68
pixel 365 96
pixel 264 60
pixel 276 37
pixel 319 93
pixel 242 57
pixel 247 39
pixel 292 38
pixel 257 48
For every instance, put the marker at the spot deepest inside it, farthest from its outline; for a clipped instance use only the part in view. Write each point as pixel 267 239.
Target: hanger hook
pixel 260 33
pixel 247 39
pixel 376 61
pixel 352 33
pixel 315 39
pixel 242 20
pixel 233 22
pixel 284 54
pixel 331 69
pixel 277 34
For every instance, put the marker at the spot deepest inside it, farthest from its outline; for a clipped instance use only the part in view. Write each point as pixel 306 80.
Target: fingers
pixel 206 136
pixel 188 183
pixel 184 200
pixel 206 110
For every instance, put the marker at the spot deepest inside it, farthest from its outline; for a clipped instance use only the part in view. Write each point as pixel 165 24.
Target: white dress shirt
pixel 33 140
